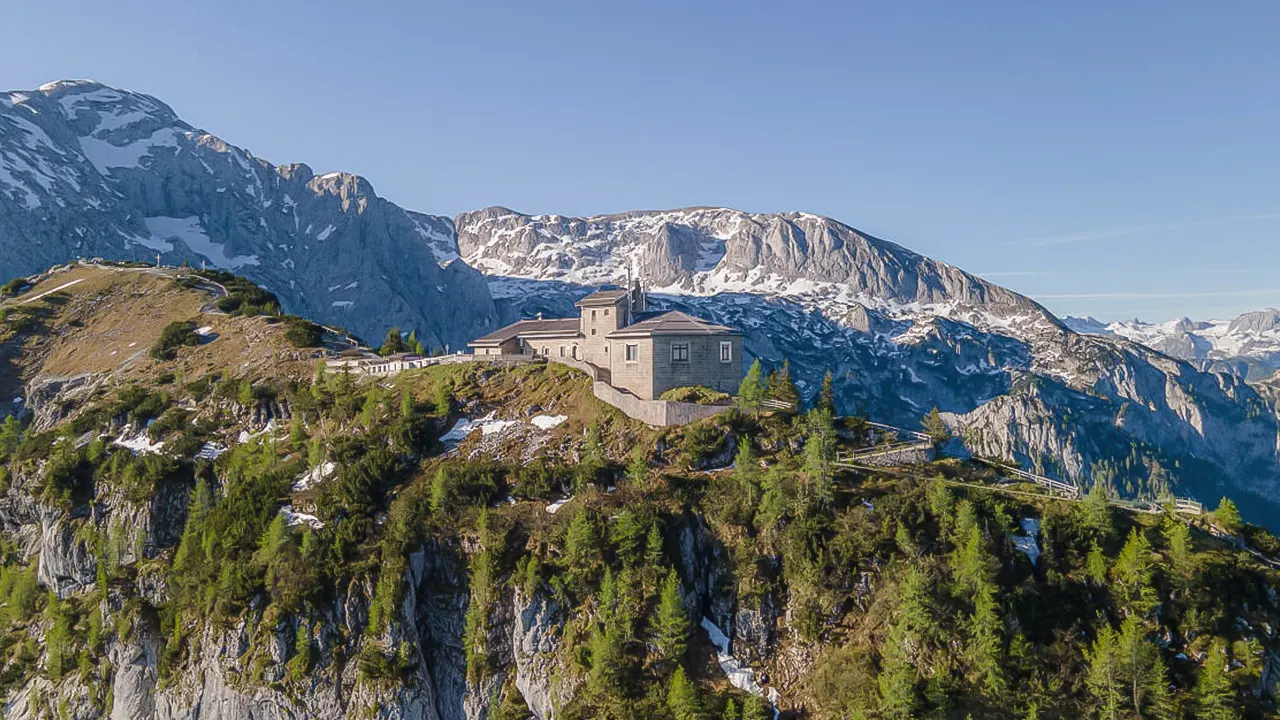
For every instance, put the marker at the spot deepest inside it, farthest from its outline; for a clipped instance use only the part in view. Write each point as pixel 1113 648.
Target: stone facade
pixel 640 352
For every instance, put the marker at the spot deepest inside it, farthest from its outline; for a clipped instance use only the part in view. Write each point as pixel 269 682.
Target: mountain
pixel 902 334
pixel 92 171
pixel 196 523
pixel 87 170
pixel 1248 345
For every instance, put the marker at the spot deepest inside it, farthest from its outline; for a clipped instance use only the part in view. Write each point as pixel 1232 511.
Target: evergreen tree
pixel 393 344
pixel 581 547
pixel 1105 680
pixel 1097 512
pixel 406 404
pixel 1228 516
pixel 1132 574
pixel 782 388
pixel 1177 538
pixel 746 472
pixel 653 546
pixel 1095 565
pixel 986 644
pixel 1142 670
pixel 638 467
pixel 751 392
pixel 730 711
pixel 753 709
pixel 1214 698
pixel 897 679
pixel 682 698
pixel 935 427
pixel 671 625
pixel 826 400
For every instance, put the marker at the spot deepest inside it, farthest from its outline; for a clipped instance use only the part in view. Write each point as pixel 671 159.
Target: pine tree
pixel 782 388
pixel 671 626
pixel 653 546
pixel 406 403
pixel 1181 560
pixel 935 427
pixel 897 679
pixel 411 343
pixel 986 645
pixel 393 344
pixel 746 472
pixel 826 400
pixel 638 467
pixel 1095 565
pixel 1097 512
pixel 1142 670
pixel 439 492
pixel 581 547
pixel 1228 516
pixel 1214 698
pixel 1104 679
pixel 730 711
pixel 1133 573
pixel 682 697
pixel 751 392
pixel 753 709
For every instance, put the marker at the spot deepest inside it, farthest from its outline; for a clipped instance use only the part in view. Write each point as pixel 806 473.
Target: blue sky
pixel 1115 159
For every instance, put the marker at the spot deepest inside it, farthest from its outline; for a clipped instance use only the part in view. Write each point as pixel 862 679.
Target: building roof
pixel 609 296
pixel 672 323
pixel 566 327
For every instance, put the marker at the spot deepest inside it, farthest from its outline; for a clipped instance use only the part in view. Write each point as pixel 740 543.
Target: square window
pixel 633 352
pixel 593 331
pixel 679 352
pixel 726 352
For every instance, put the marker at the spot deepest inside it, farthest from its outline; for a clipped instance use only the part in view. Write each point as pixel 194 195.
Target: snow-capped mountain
pixel 904 333
pixel 87 170
pixel 1248 345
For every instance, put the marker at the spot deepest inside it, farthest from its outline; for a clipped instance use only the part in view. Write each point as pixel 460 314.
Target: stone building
pixel 626 345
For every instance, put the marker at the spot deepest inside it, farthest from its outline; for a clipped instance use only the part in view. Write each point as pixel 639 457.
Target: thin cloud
pixel 1156 295
pixel 1112 233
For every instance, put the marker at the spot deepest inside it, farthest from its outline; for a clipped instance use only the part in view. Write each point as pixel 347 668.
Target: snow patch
pixel 190 232
pixel 546 422
pixel 554 507
pixel 140 443
pixel 1026 540
pixel 315 475
pixel 297 518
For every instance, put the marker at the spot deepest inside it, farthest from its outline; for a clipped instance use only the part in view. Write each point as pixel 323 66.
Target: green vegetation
pixel 892 595
pixel 697 394
pixel 177 334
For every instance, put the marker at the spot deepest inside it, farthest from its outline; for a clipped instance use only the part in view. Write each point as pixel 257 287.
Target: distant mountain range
pixel 87 170
pixel 1248 345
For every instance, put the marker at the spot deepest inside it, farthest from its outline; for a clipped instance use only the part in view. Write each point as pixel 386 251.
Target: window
pixel 606 312
pixel 593 314
pixel 561 351
pixel 633 352
pixel 679 352
pixel 593 331
pixel 574 352
pixel 726 352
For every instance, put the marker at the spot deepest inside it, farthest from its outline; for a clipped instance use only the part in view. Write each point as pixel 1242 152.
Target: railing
pixel 1054 486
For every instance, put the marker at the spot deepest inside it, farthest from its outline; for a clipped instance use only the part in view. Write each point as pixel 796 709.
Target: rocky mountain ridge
pixel 903 333
pixel 1247 345
pixel 87 170
pixel 91 171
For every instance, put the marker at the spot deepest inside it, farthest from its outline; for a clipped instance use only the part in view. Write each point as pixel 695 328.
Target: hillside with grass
pixel 199 519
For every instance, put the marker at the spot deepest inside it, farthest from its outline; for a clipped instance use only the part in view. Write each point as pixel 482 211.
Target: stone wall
pixel 703 366
pixel 658 413
pixel 913 454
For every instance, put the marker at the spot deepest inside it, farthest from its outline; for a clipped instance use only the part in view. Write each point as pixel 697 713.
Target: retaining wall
pixel 659 413
pixel 916 454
